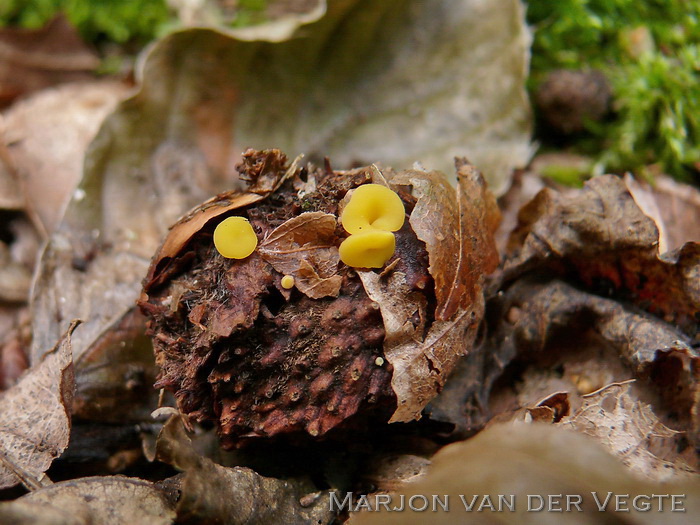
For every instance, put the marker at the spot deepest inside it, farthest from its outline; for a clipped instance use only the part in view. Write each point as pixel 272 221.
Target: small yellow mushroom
pixel 373 207
pixel 234 238
pixel 287 282
pixel 371 249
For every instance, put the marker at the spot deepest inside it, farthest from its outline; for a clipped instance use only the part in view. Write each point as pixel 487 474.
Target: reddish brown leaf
pixel 453 226
pixel 457 229
pixel 305 248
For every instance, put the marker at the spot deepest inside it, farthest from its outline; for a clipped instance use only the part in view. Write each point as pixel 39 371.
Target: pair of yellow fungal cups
pixel 372 215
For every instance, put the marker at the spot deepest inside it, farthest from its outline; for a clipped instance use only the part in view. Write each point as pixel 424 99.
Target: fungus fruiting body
pixel 373 206
pixel 373 213
pixel 371 249
pixel 287 282
pixel 234 238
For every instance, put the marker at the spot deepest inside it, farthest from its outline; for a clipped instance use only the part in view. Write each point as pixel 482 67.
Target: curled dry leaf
pixel 35 417
pixel 517 460
pixel 556 316
pixel 558 337
pixel 453 225
pixel 600 238
pixel 304 247
pixel 211 493
pixel 115 499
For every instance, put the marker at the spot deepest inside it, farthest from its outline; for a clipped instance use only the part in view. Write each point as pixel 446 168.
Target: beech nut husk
pixel 344 347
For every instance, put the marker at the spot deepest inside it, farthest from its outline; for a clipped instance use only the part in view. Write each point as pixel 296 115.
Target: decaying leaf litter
pixel 588 325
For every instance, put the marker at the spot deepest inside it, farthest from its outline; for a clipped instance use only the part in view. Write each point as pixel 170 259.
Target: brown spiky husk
pixel 239 350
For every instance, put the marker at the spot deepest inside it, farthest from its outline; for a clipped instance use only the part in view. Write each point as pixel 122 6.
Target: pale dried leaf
pixel 630 429
pixel 46 137
pixel 674 206
pixel 530 459
pixel 304 247
pixel 35 417
pixel 115 500
pixel 282 24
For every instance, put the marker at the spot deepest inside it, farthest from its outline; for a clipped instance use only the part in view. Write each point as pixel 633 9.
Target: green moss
pixel 113 20
pixel 649 50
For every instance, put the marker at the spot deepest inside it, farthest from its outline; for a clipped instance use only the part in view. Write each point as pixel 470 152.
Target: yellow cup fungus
pixel 234 238
pixel 287 282
pixel 373 213
pixel 373 206
pixel 371 249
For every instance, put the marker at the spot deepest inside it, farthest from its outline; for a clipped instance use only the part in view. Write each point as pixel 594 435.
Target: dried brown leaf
pixel 32 59
pixel 189 225
pixel 35 417
pixel 630 429
pixel 454 225
pixel 531 459
pixel 305 248
pixel 599 238
pixel 211 493
pixel 116 500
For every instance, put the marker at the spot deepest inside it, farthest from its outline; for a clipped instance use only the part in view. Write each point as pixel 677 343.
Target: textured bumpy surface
pixel 239 349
